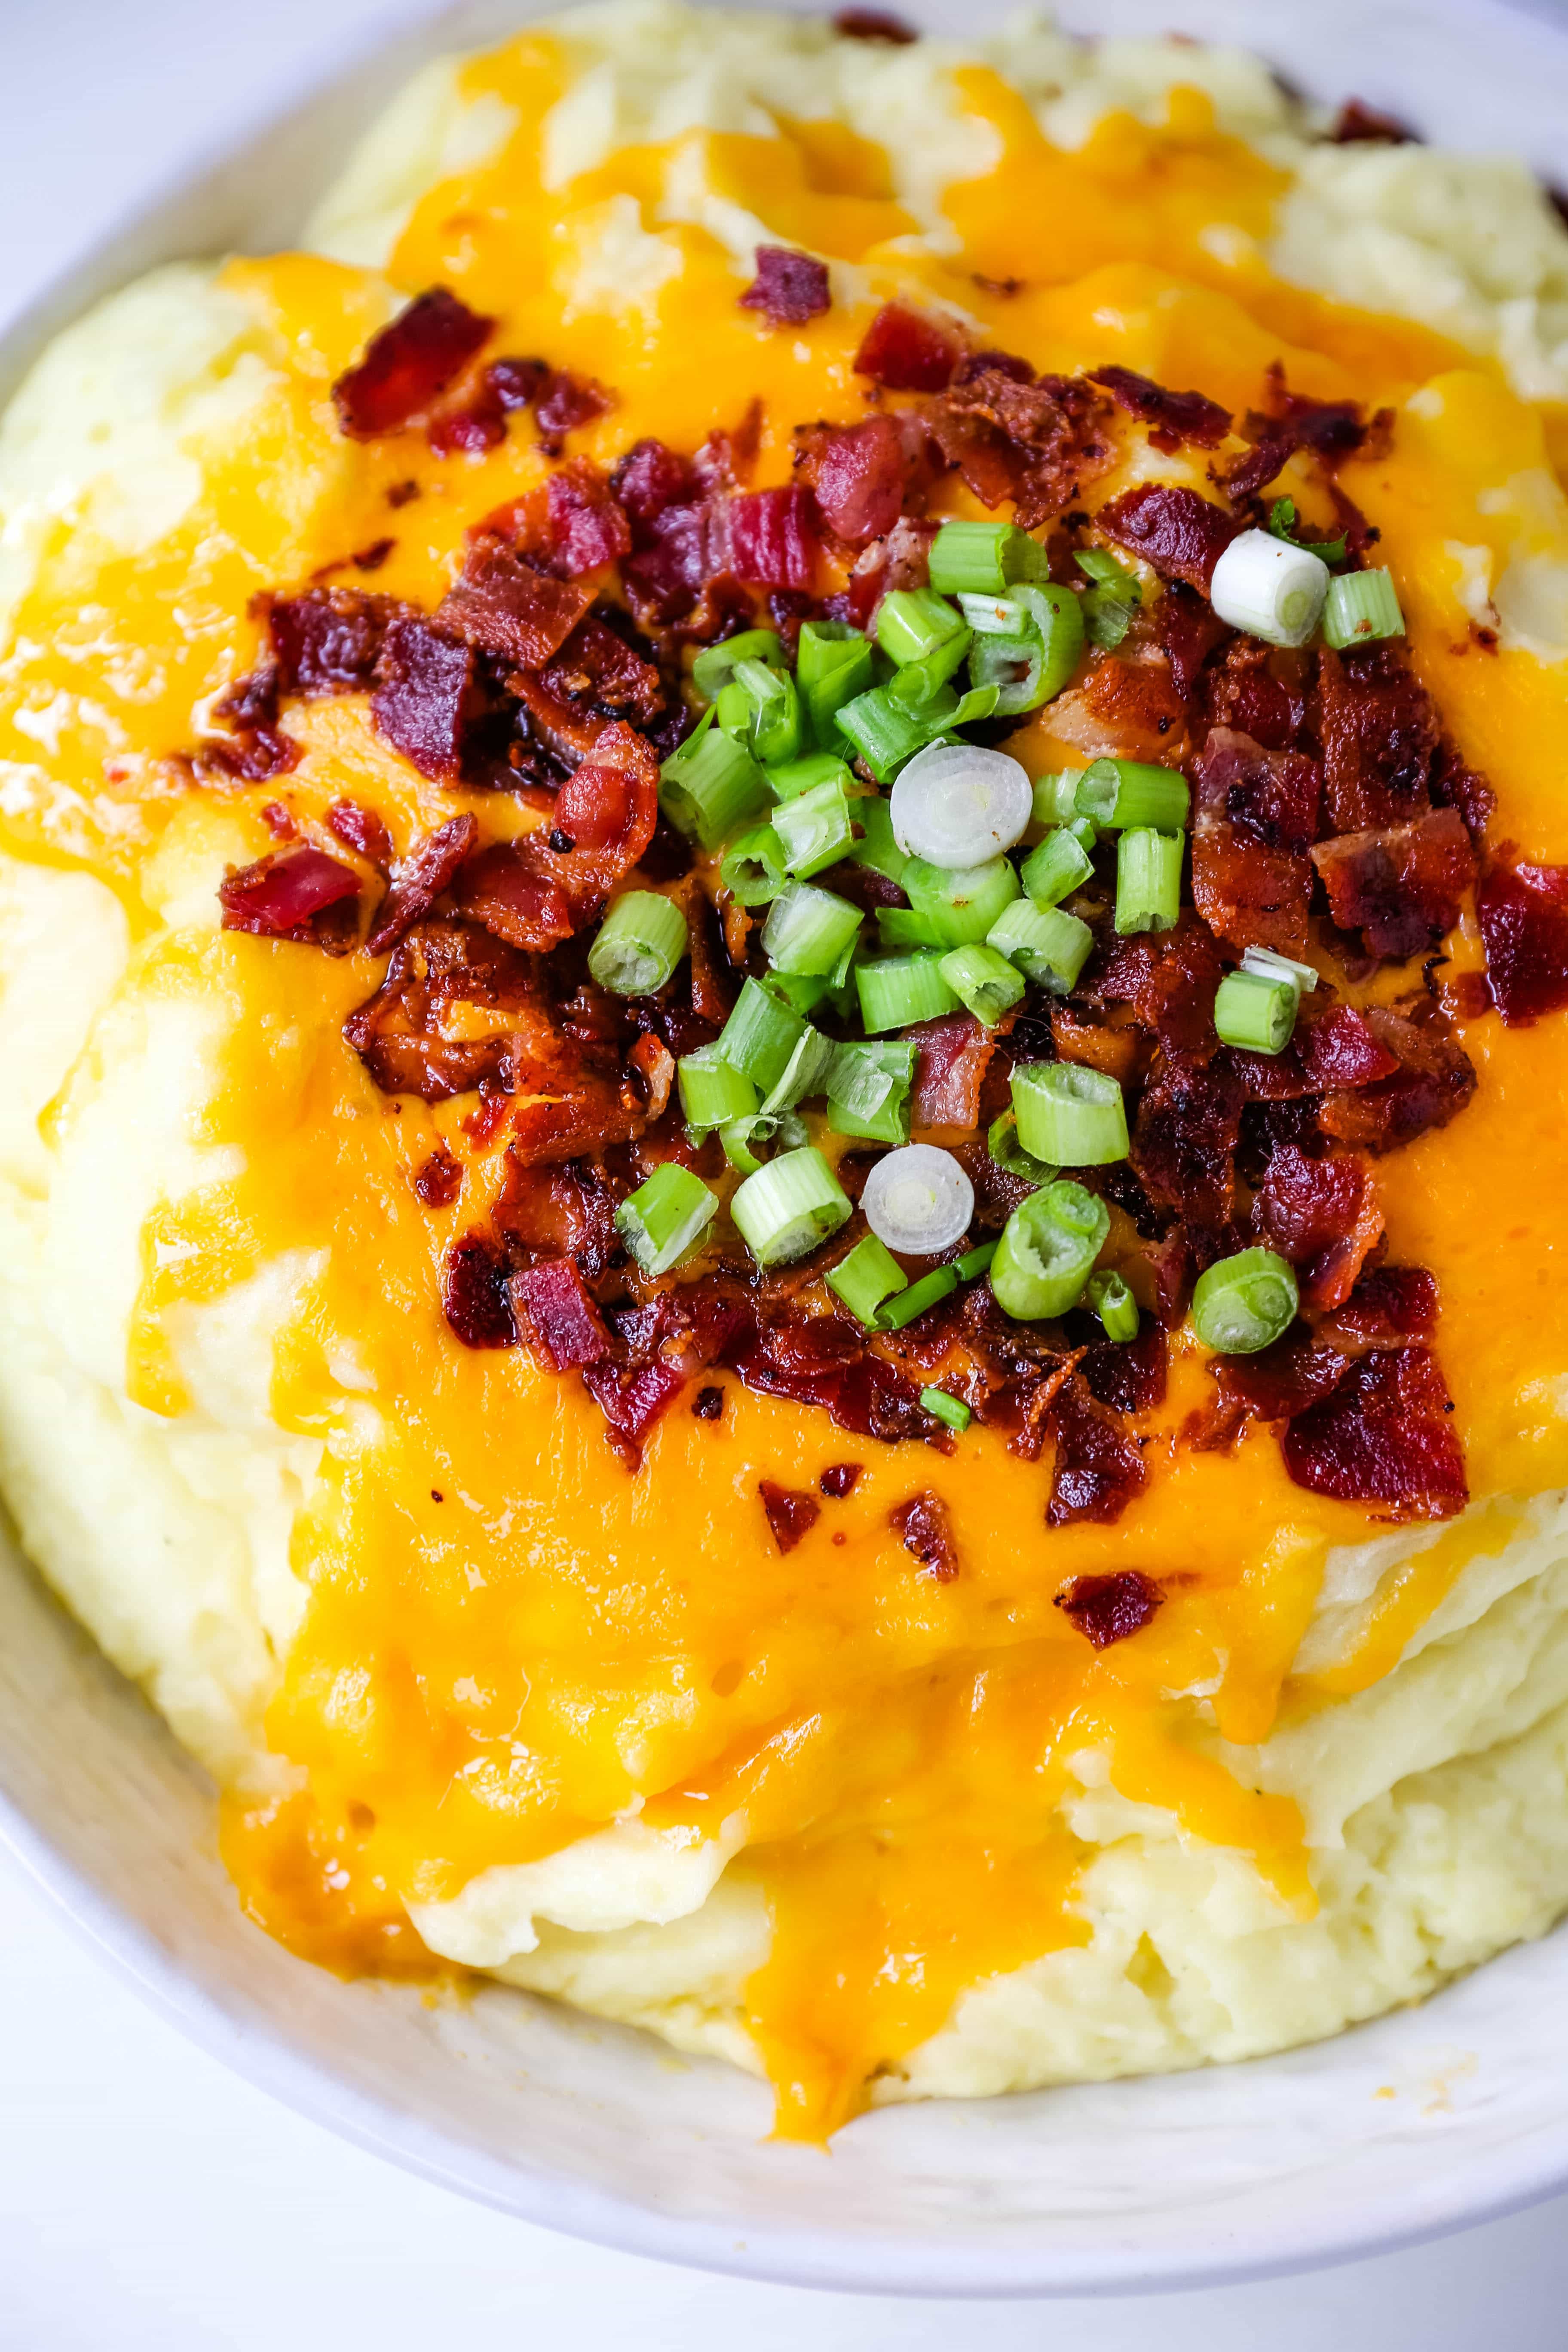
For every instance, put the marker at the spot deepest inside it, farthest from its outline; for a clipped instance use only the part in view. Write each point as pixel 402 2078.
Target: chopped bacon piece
pixel 567 732
pixel 421 879
pixel 789 286
pixel 874 25
pixel 1379 736
pixel 1324 1215
pixel 1384 1436
pixel 252 758
pixel 951 1057
pixel 1126 709
pixel 1454 786
pixel 1184 1143
pixel 498 890
pixel 904 350
pixel 1280 1381
pixel 840 1480
pixel 1175 416
pixel 328 640
pixel 1190 629
pixel 1257 815
pixel 427 699
pixel 654 1063
pixel 1097 1470
pixel 1524 913
pixel 596 665
pixel 825 1360
pixel 707 1404
pixel 567 1325
pixel 588 526
pixel 1333 430
pixel 650 477
pixel 559 1211
pixel 479 423
pixel 415 356
pixel 1434 1081
pixel 476 1293
pixel 774 536
pixel 361 830
pixel 1169 978
pixel 1128 1377
pixel 593 1110
pixel 791 1513
pixel 924 1528
pixel 1172 528
pixel 565 403
pixel 1116 1052
pixel 1013 437
pixel 1338 1051
pixel 607 809
pixel 1260 691
pixel 632 1402
pixel 858 476
pixel 505 607
pixel 399 1033
pixel 1356 124
pixel 1400 887
pixel 1391 1304
pixel 439 1180
pixel 1107 1609
pixel 284 897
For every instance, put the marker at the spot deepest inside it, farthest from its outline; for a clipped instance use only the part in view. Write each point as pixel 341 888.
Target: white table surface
pixel 149 2202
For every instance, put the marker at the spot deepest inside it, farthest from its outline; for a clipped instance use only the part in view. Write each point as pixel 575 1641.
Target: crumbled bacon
pixel 1255 818
pixel 567 1325
pixel 1357 124
pixel 1012 436
pixel 826 1361
pixel 1333 430
pixel 497 888
pixel 439 1180
pixel 607 809
pixel 1107 1609
pixel 1384 1435
pixel 426 700
pixel 1390 1304
pixel 774 536
pixel 858 475
pixel 1399 886
pixel 400 1032
pixel 1262 691
pixel 650 477
pixel 791 1513
pixel 1129 1376
pixel 1324 1215
pixel 1190 629
pixel 1182 535
pixel 1184 1139
pixel 361 830
pixel 1433 1082
pixel 328 640
pixel 1172 417
pixel 1097 1470
pixel 421 879
pixel 562 1210
pixel 1338 1051
pixel 874 25
pixel 413 359
pixel 951 1057
pixel 478 423
pixel 1124 710
pixel 905 351
pixel 924 1526
pixel 476 1293
pixel 1379 736
pixel 1523 915
pixel 562 404
pixel 838 1480
pixel 1169 978
pixel 587 524
pixel 789 288
pixel 631 1402
pixel 293 895
pixel 505 607
pixel 596 665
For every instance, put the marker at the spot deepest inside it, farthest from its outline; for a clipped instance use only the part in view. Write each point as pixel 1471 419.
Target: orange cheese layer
pixel 509 1640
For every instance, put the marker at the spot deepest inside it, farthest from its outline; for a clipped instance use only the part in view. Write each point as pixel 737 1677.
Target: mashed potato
pixel 216 1425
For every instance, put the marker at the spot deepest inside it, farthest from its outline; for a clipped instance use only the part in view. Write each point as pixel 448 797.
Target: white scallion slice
pixel 1265 963
pixel 957 804
pixel 918 1200
pixel 1273 591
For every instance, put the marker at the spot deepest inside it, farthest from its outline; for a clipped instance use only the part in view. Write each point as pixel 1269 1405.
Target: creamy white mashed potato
pixel 1436 1801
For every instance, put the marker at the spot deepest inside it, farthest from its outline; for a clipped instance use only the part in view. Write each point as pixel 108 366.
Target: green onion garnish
pixel 814 828
pixel 1360 608
pixel 1055 797
pixel 901 927
pixel 715 664
pixel 712 1091
pixel 1111 599
pixel 984 558
pixel 1048 1250
pixel 1265 963
pixel 1027 644
pixel 901 990
pixel 912 623
pixel 917 685
pixel 1116 793
pixel 951 1409
pixel 1072 1116
pixel 1148 881
pixel 869 1275
pixel 789 1206
pixel 802 991
pixel 752 868
pixel 832 665
pixel 973 1263
pixel 774 721
pixel 1270 588
pixel 868 1089
pixel 803 1074
pixel 1107 1295
pixel 883 733
pixel 760 1035
pixel 1282 520
pixel 639 943
pixel 736 1140
pixel 711 787
pixel 808 929
pixel 983 980
pixel 664 1218
pixel 1050 946
pixel 877 848
pixel 797 776
pixel 940 1283
pixel 1056 867
pixel 1009 1155
pixel 960 903
pixel 1244 1303
pixel 1257 1015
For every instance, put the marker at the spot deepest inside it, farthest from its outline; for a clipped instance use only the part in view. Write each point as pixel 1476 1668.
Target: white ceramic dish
pixel 1428 2120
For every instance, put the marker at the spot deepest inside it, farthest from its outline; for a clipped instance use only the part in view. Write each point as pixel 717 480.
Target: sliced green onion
pixel 939 1284
pixel 814 829
pixel 715 664
pixel 803 1074
pixel 899 991
pixel 760 1035
pixel 984 558
pixel 1072 1116
pixel 752 868
pixel 960 903
pixel 712 1091
pixel 1243 1302
pixel 1055 797
pixel 1041 636
pixel 877 847
pixel 798 776
pixel 869 1275
pixel 789 1206
pixel 711 787
pixel 736 1140
pixel 1264 963
pixel 832 665
pixel 883 733
pixel 1257 1015
pixel 1056 867
pixel 808 929
pixel 1271 590
pixel 1107 1295
pixel 775 714
pixel 801 991
pixel 1282 520
pixel 868 1089
pixel 901 927
pixel 1361 607
pixel 916 686
pixel 957 804
pixel 1116 793
pixel 951 1409
pixel 1008 1154
pixel 1109 603
pixel 1048 945
pixel 975 1262
pixel 1046 1251
pixel 732 710
pixel 918 1200
pixel 983 980
pixel 912 623
pixel 1148 881
pixel 664 1218
pixel 640 941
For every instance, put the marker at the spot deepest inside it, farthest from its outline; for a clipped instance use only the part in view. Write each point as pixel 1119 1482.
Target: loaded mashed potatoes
pixel 783 929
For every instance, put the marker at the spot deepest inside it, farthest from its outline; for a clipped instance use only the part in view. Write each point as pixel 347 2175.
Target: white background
pixel 149 2202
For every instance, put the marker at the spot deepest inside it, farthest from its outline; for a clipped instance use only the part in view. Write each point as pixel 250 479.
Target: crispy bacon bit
pixel 565 403
pixel 1172 528
pixel 1107 1609
pixel 791 1513
pixel 774 536
pixel 286 895
pixel 361 830
pixel 873 24
pixel 588 526
pixel 1262 691
pixel 1338 1051
pixel 838 1480
pixel 1013 437
pixel 1454 786
pixel 498 890
pixel 437 1181
pixel 399 1033
pixel 1128 1377
pixel 1257 815
pixel 427 699
pixel 1097 1470
pixel 1524 913
pixel 1169 978
pixel 1434 1081
pixel 412 358
pixel 1357 124
pixel 1384 1436
pixel 951 1057
pixel 1333 430
pixel 328 640
pixel 1184 1139
pixel 1390 1304
pixel 632 1402
pixel 1279 1381
pixel 904 350
pixel 421 879
pixel 1401 886
pixel 556 1212
pixel 858 476
pixel 650 477
pixel 596 665
pixel 279 822
pixel 1175 416
pixel 789 286
pixel 476 1293
pixel 252 757
pixel 1190 629
pixel 505 607
pixel 707 1404
pixel 923 1528
pixel 607 809
pixel 1379 736
pixel 1128 710
pixel 567 1325
pixel 826 1361
pixel 1324 1215
pixel 479 424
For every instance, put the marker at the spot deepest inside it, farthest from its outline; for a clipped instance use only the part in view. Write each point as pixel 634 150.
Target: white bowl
pixel 1432 2118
